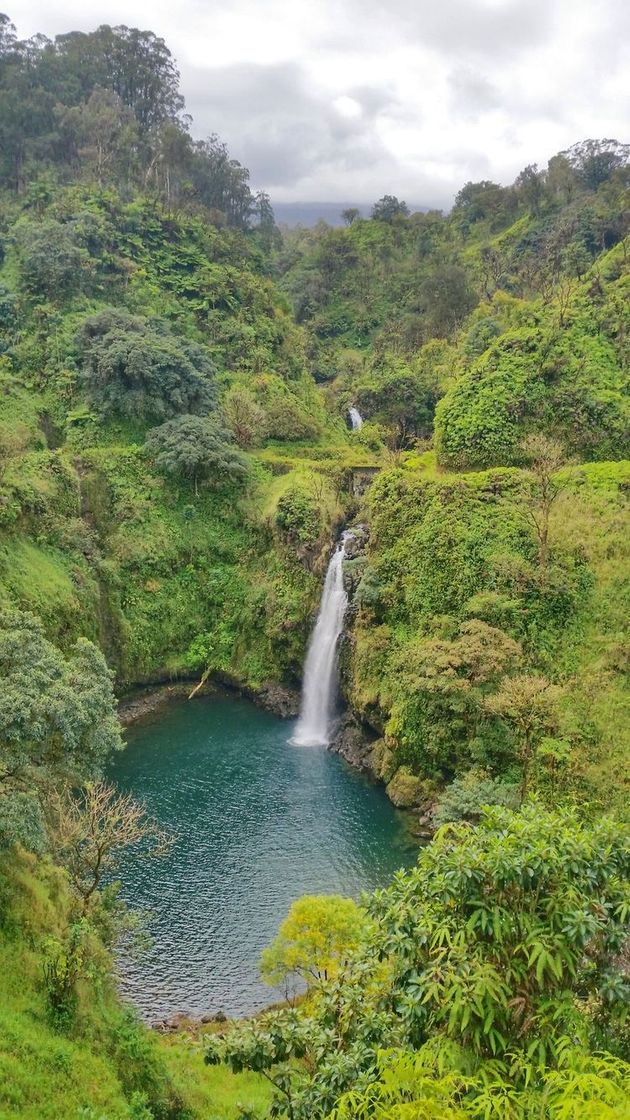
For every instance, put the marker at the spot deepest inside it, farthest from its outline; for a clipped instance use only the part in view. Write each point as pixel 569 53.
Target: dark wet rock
pixel 423 826
pixel 352 572
pixel 354 743
pixel 362 749
pixel 356 542
pixel 276 698
pixel 176 1023
pixel 142 703
pixel 218 1017
pixel 362 479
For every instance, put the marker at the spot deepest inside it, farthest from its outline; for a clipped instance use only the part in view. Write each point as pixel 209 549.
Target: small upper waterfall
pixel 356 418
pixel 320 670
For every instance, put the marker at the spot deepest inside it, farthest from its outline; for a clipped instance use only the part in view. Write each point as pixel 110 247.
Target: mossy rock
pixel 381 761
pixel 405 790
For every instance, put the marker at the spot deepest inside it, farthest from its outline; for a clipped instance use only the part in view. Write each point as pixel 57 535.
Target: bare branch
pixel 89 831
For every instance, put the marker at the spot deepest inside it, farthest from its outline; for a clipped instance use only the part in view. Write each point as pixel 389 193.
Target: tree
pixel 401 395
pixel 529 704
pixel 138 369
pixel 350 215
pixel 268 231
pixel 52 262
pixel 104 133
pixel 596 160
pixel 315 940
pixel 26 106
pixel 562 179
pixel 576 259
pixel 531 186
pixel 136 65
pixel 336 255
pixel 221 183
pixel 546 456
pixel 57 721
pixel 8 39
pixel 495 946
pixel 195 448
pixel 479 201
pixel 492 269
pixel 445 298
pixel 245 416
pixel 110 99
pixel 170 161
pixel 388 208
pixel 90 830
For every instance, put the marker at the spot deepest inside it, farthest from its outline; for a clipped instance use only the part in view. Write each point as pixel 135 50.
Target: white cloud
pixel 348 107
pixel 327 101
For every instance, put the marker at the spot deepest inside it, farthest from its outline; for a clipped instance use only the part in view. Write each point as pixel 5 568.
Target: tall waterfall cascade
pixel 356 418
pixel 320 670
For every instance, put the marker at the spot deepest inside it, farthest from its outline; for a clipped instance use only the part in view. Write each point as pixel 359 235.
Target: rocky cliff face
pixel 360 740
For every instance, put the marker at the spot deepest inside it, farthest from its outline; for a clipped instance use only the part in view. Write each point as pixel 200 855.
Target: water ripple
pixel 259 822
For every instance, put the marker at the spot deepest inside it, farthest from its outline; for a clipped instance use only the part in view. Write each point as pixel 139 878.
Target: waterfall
pixel 320 670
pixel 356 418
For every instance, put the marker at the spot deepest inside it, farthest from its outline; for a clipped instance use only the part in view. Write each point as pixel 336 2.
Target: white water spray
pixel 356 418
pixel 320 670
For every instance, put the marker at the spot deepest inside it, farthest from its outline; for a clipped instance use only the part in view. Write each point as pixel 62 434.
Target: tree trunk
pixel 527 759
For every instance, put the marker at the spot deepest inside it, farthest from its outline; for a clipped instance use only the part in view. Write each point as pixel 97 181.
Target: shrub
pixel 196 448
pixel 52 263
pixel 405 790
pixel 466 797
pixel 298 516
pixel 137 369
pixel 496 947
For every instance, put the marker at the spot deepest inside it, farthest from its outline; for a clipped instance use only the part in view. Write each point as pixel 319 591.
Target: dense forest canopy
pixel 175 460
pixel 107 104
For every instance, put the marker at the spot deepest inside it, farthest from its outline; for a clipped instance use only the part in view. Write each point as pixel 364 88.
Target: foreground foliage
pixel 314 941
pixel 505 942
pixel 436 1082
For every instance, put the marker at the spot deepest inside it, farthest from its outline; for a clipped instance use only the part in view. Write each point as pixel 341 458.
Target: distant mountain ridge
pixel 310 213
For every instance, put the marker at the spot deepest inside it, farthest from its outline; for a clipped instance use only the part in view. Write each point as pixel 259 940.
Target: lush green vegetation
pixel 88 1059
pixel 513 308
pixel 458 606
pixel 174 460
pixel 99 504
pixel 481 982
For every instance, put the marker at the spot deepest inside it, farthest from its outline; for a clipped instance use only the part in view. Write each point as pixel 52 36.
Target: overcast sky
pixel 350 100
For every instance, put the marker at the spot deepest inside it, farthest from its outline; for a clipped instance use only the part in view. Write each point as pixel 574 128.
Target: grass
pixel 98 1069
pixel 591 514
pixel 45 581
pixel 212 1092
pixel 43 1075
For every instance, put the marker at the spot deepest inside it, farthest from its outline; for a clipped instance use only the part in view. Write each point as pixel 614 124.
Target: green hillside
pixel 175 464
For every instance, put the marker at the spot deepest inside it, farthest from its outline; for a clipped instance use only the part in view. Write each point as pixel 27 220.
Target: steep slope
pixel 97 540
